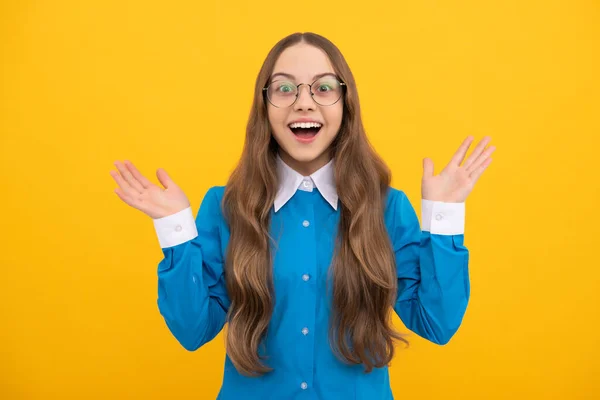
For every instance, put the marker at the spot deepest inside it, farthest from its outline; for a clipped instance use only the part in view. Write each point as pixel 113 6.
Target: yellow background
pixel 169 84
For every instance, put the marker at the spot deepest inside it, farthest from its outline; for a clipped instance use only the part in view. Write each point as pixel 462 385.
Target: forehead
pixel 303 61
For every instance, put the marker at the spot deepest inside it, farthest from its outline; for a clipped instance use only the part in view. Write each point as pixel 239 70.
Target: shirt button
pixel 305 223
pixel 305 277
pixel 305 331
pixel 303 385
pixel 178 228
pixel 306 184
pixel 439 217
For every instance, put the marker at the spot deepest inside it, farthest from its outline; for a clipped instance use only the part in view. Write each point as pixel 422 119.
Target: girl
pixel 307 246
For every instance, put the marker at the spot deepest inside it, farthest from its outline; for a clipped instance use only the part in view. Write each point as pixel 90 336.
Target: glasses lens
pixel 282 93
pixel 327 90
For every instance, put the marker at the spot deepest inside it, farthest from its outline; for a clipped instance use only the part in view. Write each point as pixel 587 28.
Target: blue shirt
pixel 433 285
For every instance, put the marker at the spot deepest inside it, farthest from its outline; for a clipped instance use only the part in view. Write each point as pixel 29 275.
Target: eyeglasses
pixel 283 93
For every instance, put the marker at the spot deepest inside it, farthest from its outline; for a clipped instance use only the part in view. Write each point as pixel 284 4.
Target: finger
pixel 477 151
pixel 164 178
pixel 125 187
pixel 427 168
pixel 477 173
pixel 481 159
pixel 125 197
pixel 135 185
pixel 137 175
pixel 462 151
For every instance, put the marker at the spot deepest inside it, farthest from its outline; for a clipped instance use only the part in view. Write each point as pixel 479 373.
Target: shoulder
pixel 398 211
pixel 211 205
pixel 216 193
pixel 395 198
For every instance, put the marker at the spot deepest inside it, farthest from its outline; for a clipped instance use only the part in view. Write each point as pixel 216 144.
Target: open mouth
pixel 305 130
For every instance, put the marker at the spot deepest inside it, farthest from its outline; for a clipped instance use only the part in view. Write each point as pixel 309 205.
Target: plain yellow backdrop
pixel 169 84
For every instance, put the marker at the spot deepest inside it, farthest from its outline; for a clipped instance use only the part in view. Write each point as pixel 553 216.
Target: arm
pixel 432 267
pixel 192 295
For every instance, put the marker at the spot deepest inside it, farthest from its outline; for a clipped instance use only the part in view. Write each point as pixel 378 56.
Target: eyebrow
pixel 292 77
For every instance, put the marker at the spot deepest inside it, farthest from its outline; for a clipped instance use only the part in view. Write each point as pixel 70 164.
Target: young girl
pixel 307 246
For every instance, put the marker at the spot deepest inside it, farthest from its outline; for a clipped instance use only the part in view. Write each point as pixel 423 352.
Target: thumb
pixel 427 167
pixel 164 178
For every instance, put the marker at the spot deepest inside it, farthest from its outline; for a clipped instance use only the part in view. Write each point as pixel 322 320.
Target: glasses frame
pixel 312 95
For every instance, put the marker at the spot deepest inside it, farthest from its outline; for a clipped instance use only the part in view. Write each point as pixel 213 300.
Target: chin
pixel 304 155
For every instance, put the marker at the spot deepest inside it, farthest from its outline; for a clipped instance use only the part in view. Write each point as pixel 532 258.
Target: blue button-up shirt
pixel 433 285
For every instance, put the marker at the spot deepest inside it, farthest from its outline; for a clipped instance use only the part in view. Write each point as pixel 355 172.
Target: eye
pixel 285 88
pixel 324 87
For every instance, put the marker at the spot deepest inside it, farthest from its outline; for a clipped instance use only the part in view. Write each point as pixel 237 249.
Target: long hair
pixel 363 270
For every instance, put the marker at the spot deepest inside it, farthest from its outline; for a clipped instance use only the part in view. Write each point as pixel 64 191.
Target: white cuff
pixel 442 218
pixel 176 228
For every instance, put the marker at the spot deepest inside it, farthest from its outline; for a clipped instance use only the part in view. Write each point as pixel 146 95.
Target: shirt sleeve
pixel 192 295
pixel 176 228
pixel 432 266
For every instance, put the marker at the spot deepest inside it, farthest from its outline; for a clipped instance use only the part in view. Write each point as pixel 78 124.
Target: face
pixel 303 145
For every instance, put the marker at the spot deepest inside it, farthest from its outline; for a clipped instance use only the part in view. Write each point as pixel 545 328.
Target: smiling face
pixel 305 130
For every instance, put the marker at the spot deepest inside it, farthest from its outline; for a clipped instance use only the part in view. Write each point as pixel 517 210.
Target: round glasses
pixel 325 91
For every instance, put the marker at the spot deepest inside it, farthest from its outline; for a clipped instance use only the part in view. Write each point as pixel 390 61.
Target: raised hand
pixel 455 182
pixel 138 192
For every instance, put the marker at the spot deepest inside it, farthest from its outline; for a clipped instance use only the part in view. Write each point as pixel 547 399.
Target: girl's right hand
pixel 137 191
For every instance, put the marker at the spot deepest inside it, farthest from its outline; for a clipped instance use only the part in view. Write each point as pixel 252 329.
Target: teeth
pixel 305 125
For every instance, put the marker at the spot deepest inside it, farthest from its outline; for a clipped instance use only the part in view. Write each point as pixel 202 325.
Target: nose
pixel 305 100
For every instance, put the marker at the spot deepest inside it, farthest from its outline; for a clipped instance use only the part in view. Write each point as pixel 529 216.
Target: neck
pixel 305 168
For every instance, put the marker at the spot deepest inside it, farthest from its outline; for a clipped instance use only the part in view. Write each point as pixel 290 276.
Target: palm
pixel 138 192
pixel 455 182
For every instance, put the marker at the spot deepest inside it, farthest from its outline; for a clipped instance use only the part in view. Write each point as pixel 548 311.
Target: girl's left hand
pixel 455 182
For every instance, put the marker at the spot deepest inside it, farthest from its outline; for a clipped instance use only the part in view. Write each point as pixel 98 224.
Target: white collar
pixel 290 180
